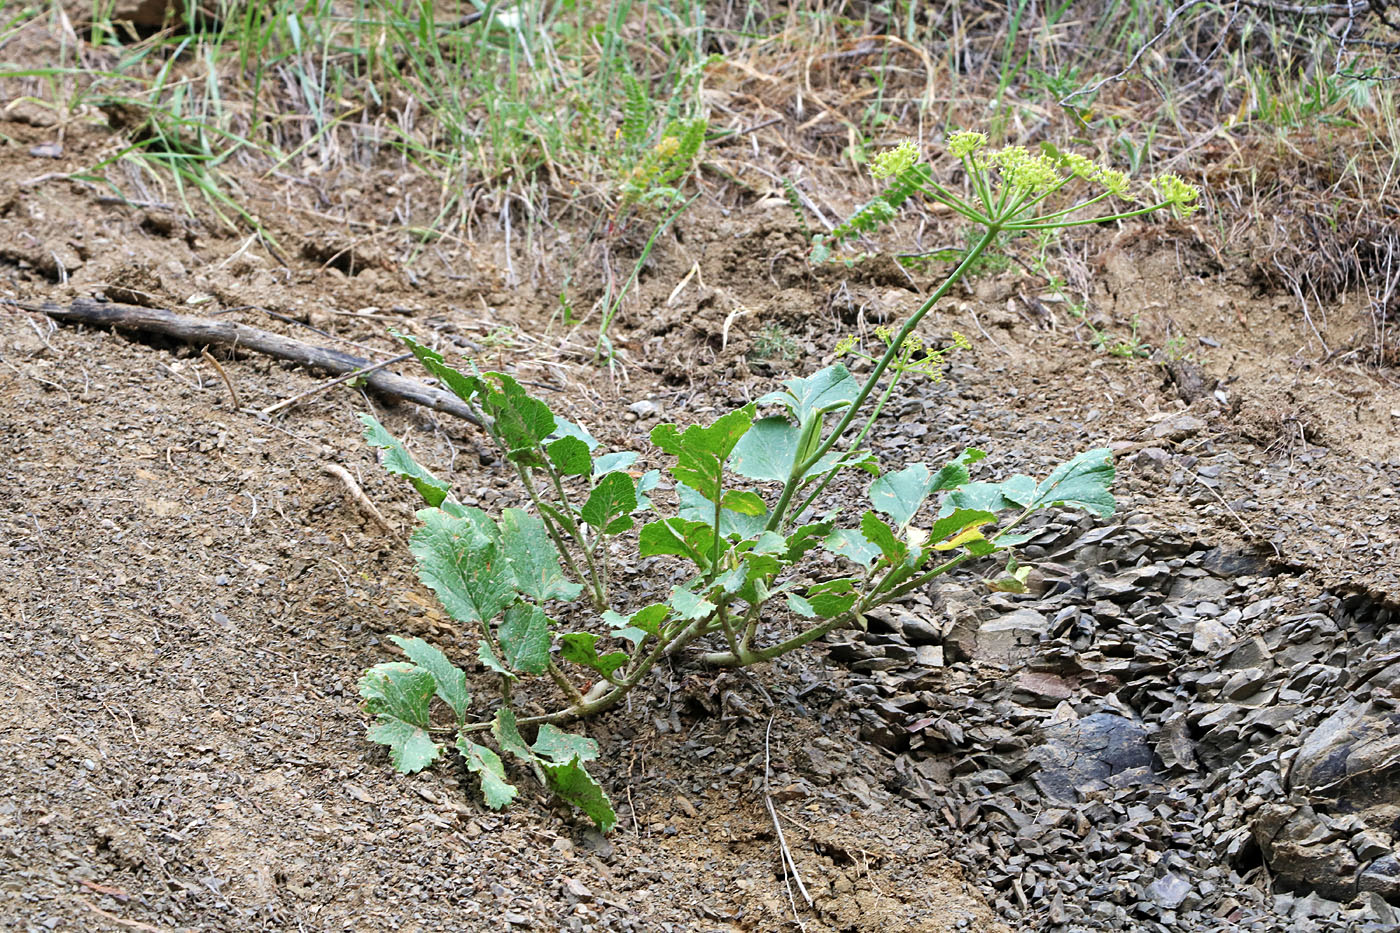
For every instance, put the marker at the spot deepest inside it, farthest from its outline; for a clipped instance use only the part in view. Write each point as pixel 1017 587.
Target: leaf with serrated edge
pixel 648 618
pixel 950 476
pixel 507 735
pixel 570 456
pixel 801 606
pixel 619 462
pixel 397 694
pixel 489 659
pixel 472 581
pixel 700 452
pixel 832 598
pixel 959 521
pixel 533 558
pixel 560 747
pixel 1081 483
pixel 744 502
pixel 694 508
pixel 883 537
pixel 900 495
pixel 451 681
pixel 852 545
pixel 573 784
pixel 399 461
pixel 614 496
pixel 486 765
pixel 524 638
pixel 582 648
pixel 688 606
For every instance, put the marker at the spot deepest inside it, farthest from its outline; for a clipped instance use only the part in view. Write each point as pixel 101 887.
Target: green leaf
pixel 645 621
pixel 522 421
pixel 465 387
pixel 700 452
pixel 610 504
pixel 884 538
pixel 397 460
pixel 745 503
pixel 804 539
pixel 692 540
pixel 801 606
pixel 397 695
pixel 950 476
pixel 581 648
pixel 450 680
pixel 688 606
pixel 561 747
pixel 692 507
pixel 825 390
pixel 573 784
pixel 524 638
pixel 489 659
pixel 533 558
pixel 645 484
pixel 767 451
pixel 472 581
pixel 957 522
pixel 507 733
pixel 486 765
pixel 985 497
pixel 563 428
pixel 852 545
pixel 1081 483
pixel 900 495
pixel 570 456
pixel 1020 489
pixel 833 597
pixel 619 462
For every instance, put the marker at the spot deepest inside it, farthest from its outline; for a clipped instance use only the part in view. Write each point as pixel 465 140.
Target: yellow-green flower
pixel 1115 181
pixel 960 341
pixel 1022 170
pixel 893 161
pixel 845 345
pixel 965 142
pixel 1177 192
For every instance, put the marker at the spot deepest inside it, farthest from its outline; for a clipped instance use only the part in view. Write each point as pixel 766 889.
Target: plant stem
pixel 785 499
pixel 855 444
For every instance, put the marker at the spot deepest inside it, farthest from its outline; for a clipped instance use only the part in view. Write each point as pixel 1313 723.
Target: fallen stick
pixel 202 331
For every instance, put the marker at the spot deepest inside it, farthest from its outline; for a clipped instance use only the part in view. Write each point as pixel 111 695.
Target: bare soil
pixel 188 595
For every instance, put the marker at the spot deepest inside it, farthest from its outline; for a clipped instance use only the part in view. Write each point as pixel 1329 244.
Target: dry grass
pixel 507 128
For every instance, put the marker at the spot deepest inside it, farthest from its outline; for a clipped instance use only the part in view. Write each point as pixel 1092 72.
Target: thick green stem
pixel 855 445
pixel 799 470
pixel 600 585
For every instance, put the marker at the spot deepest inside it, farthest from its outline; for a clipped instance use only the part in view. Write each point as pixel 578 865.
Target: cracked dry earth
pixel 1187 723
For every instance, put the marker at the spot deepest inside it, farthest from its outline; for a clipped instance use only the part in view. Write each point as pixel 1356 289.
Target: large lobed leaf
pixel 533 558
pixel 825 390
pixel 461 564
pixel 700 452
pixel 397 695
pixel 1081 483
pixel 450 680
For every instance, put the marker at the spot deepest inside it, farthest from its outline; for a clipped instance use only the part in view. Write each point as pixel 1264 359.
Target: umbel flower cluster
pixel 1012 190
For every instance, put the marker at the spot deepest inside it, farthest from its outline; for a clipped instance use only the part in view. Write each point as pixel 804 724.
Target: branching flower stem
pixel 800 469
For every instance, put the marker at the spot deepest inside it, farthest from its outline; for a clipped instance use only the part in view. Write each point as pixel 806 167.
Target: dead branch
pixel 201 331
